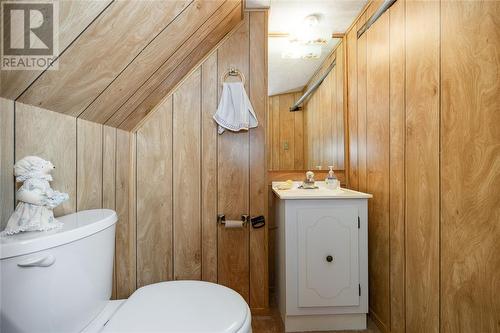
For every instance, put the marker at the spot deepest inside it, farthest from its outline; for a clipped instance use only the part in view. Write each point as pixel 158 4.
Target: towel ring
pixel 232 72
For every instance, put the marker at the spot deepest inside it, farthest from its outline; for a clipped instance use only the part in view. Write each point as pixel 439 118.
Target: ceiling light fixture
pixel 306 41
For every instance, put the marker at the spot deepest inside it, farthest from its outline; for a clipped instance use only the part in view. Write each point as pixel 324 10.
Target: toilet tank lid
pixel 76 226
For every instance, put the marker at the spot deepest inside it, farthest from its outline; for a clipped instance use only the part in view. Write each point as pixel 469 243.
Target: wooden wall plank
pixel 7 179
pixel 108 167
pixel 327 121
pixel 109 180
pixel 298 154
pixel 209 169
pixel 315 134
pixel 71 88
pixel 74 17
pixel 51 136
pixel 168 76
pixel 352 107
pixel 150 59
pixel 286 129
pixel 233 179
pixel 269 148
pixel 422 166
pixel 470 166
pixel 396 166
pixel 275 117
pixel 186 178
pixel 377 166
pixel 89 165
pixel 125 243
pixel 154 193
pixel 259 275
pixel 361 107
pixel 339 109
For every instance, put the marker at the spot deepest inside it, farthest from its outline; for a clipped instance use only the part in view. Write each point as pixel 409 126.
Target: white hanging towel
pixel 235 111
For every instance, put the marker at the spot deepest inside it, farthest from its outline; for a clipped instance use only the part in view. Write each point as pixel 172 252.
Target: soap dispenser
pixel 331 180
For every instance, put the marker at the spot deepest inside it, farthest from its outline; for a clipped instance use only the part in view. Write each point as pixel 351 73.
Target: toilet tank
pixel 59 280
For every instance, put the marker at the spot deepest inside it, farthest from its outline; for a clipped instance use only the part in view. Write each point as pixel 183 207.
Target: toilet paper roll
pixel 231 224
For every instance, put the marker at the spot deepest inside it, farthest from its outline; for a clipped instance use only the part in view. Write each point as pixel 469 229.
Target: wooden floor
pixel 271 323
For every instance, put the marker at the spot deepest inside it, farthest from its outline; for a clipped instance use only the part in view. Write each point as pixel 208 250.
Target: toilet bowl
pixel 60 281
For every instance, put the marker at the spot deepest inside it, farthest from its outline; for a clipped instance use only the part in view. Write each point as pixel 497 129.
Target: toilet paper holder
pixel 221 219
pixel 257 221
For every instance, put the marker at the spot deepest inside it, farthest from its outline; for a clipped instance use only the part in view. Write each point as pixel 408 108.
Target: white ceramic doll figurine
pixel 36 198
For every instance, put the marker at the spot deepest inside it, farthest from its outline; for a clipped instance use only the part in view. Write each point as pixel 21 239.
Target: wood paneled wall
pixel 92 165
pixel 187 174
pixel 423 114
pixel 285 129
pixel 324 114
pixel 470 167
pixel 168 180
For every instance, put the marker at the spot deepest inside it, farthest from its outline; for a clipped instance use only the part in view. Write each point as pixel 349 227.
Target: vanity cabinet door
pixel 328 263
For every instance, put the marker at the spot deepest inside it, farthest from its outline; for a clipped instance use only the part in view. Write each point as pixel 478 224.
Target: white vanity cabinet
pixel 322 259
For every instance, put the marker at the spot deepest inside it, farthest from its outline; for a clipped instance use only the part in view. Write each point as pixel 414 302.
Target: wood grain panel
pixel 125 243
pixel 259 275
pixel 51 136
pixel 377 170
pixel 298 154
pixel 168 76
pixel 7 179
pixel 186 178
pixel 315 134
pixel 154 193
pixel 74 17
pixel 422 166
pixel 150 59
pixel 361 107
pixel 275 118
pixel 339 109
pixel 327 120
pixel 109 181
pixel 89 165
pixel 470 166
pixel 286 128
pixel 396 166
pixel 108 166
pixel 352 107
pixel 233 179
pixel 128 26
pixel 209 169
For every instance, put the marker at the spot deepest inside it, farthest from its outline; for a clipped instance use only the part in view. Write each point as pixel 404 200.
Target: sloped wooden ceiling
pixel 119 59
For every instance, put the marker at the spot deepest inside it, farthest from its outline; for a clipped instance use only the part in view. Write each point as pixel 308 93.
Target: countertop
pixel 296 193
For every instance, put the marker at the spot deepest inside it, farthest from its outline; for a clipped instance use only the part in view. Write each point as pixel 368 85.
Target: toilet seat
pixel 182 306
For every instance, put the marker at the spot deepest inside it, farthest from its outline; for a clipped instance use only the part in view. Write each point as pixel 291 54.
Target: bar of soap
pixel 285 185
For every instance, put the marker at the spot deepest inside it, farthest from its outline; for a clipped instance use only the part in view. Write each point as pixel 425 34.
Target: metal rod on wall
pixel 383 7
pixel 295 107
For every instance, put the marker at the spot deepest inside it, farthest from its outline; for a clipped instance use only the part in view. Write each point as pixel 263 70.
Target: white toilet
pixel 60 281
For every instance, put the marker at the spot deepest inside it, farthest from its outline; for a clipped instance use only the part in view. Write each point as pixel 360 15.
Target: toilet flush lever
pixel 40 261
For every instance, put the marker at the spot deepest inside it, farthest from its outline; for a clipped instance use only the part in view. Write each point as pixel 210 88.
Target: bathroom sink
pixel 322 192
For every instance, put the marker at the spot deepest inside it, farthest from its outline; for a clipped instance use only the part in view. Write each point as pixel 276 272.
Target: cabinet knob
pixel 329 258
